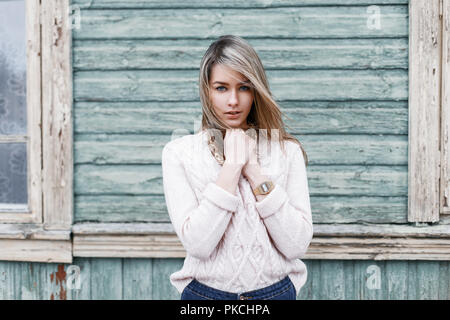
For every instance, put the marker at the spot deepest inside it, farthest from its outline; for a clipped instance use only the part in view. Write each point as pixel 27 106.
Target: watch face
pixel 265 187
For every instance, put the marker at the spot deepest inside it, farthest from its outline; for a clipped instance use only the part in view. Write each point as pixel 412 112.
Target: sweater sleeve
pixel 287 213
pixel 199 226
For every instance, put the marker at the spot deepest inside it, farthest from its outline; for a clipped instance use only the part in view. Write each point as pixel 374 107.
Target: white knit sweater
pixel 233 242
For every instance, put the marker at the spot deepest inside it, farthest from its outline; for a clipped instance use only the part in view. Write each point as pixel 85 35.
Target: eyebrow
pixel 242 82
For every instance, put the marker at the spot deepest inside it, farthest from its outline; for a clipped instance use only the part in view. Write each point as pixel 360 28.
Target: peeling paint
pixel 60 278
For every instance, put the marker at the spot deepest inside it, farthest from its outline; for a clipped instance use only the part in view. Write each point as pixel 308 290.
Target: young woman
pixel 242 213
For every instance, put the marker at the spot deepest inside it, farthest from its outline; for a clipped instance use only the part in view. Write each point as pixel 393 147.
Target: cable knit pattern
pixel 232 242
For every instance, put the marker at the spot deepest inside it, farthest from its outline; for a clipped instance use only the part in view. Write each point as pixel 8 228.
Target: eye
pixel 218 88
pixel 245 88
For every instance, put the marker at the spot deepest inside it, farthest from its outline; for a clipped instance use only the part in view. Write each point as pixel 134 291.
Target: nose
pixel 233 99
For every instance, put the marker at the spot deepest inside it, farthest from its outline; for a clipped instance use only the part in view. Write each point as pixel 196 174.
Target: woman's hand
pixel 235 147
pixel 252 157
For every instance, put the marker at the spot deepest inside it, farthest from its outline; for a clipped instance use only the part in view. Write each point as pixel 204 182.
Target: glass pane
pixel 13 117
pixel 13 173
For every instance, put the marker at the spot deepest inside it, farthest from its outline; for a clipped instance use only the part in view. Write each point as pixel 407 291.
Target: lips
pixel 233 112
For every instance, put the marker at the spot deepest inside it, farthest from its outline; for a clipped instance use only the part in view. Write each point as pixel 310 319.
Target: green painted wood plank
pixel 444 281
pixel 323 180
pixel 412 280
pixel 373 274
pixel 335 209
pixel 326 279
pixel 397 280
pixel 106 279
pixel 332 279
pixel 181 85
pixel 361 209
pixel 162 269
pixel 84 291
pixel 106 4
pixel 122 208
pixel 274 53
pixel 321 149
pixel 292 22
pixel 428 280
pixel 137 279
pixel 7 287
pixel 300 117
pixel 349 285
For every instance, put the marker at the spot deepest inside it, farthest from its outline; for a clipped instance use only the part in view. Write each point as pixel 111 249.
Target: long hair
pixel 239 55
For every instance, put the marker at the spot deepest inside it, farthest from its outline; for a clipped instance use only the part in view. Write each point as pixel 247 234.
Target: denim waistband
pixel 258 293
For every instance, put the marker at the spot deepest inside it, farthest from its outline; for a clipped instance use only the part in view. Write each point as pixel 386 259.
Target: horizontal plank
pixel 275 54
pixel 120 208
pixel 321 149
pixel 36 250
pixel 300 117
pixel 385 242
pixel 181 85
pixel 31 231
pixel 139 4
pixel 439 231
pixel 89 228
pixel 168 246
pixel 323 180
pixel 292 22
pixel 325 209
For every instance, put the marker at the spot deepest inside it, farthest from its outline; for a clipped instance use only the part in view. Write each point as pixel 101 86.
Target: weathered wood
pixel 31 231
pixel 139 4
pixel 322 149
pixel 34 113
pixel 320 230
pixel 292 22
pixel 181 85
pixel 120 208
pixel 36 250
pixel 127 246
pixel 138 279
pixel 326 209
pixel 123 228
pixel 301 117
pixel 396 278
pixel 445 112
pixel 424 111
pixel 106 279
pixel 405 243
pixel 57 115
pixel 162 269
pixel 323 180
pixel 274 53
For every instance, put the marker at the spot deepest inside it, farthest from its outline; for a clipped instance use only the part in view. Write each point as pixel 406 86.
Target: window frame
pixel 44 233
pixel 428 110
pixel 445 104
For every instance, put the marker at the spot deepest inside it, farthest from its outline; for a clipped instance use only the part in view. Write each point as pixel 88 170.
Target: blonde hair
pixel 235 53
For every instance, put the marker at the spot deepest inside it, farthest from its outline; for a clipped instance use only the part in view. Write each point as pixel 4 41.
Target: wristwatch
pixel 263 188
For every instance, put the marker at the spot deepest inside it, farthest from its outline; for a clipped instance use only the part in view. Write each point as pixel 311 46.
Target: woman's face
pixel 230 93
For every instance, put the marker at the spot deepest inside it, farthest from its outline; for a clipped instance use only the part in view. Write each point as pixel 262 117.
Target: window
pixel 35 131
pixel 19 147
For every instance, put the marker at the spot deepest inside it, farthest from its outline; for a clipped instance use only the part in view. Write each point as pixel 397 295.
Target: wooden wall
pixel 342 85
pixel 115 278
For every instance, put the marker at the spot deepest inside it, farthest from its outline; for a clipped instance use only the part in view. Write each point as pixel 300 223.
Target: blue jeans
pixel 281 290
